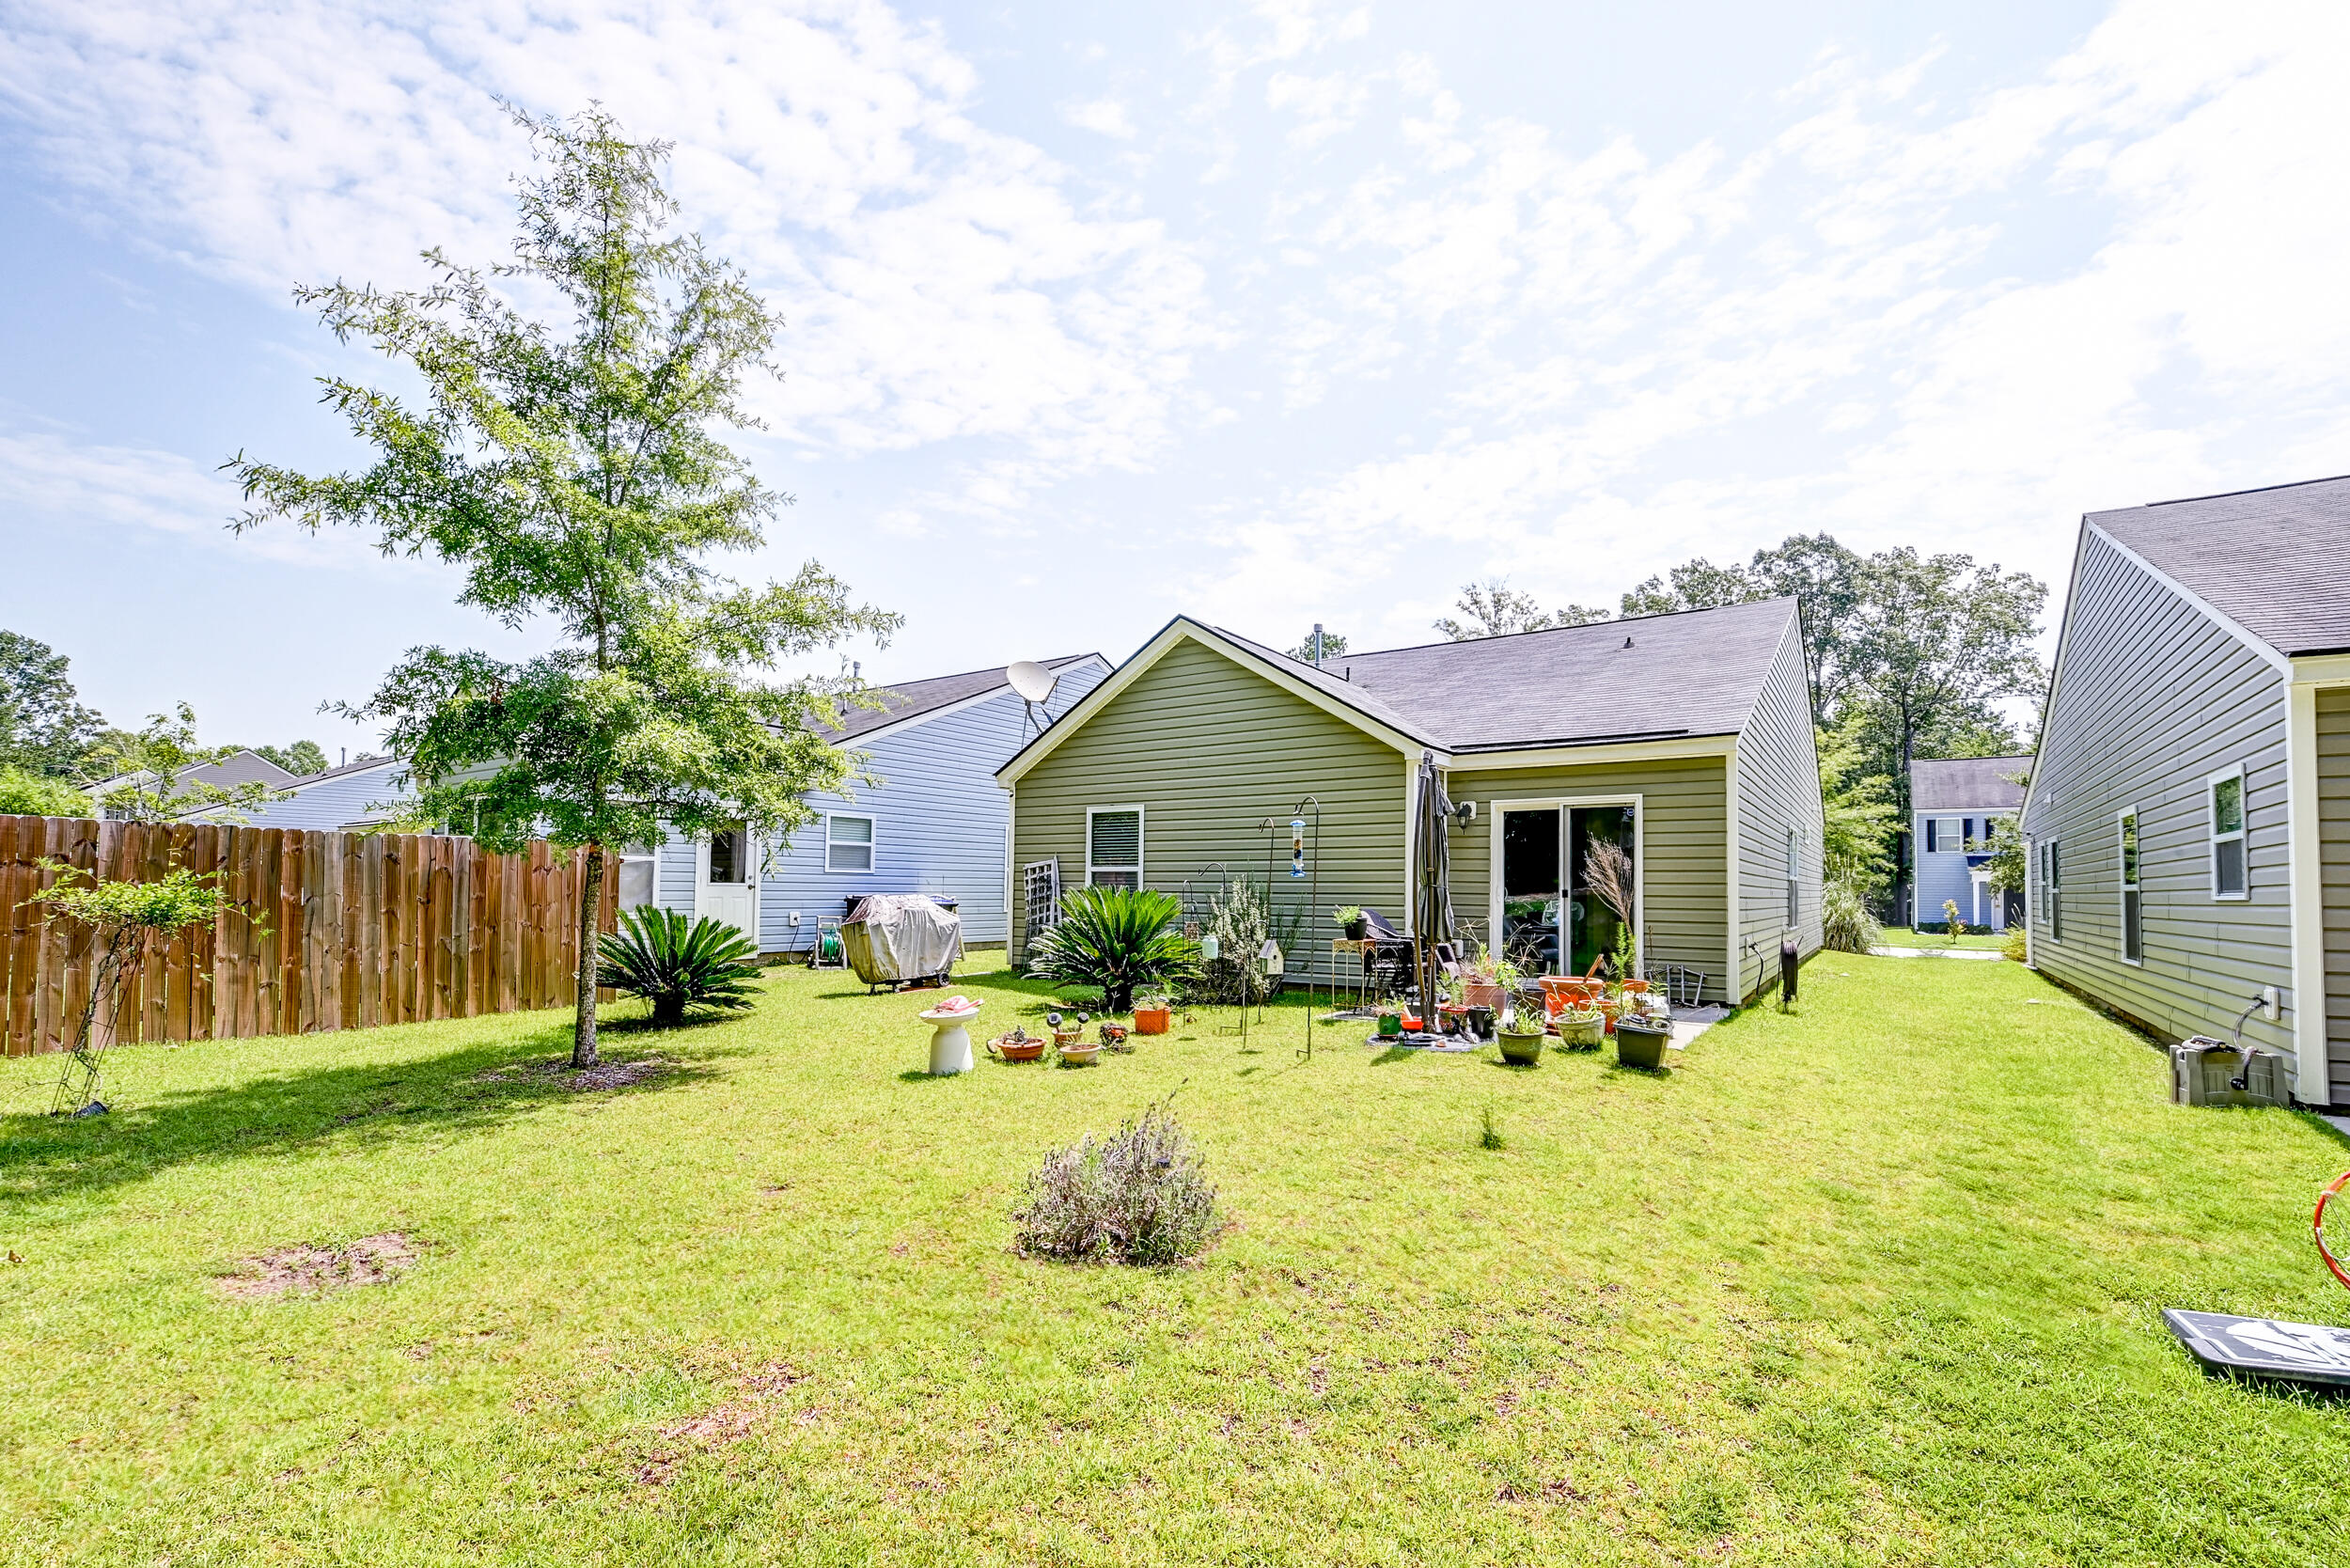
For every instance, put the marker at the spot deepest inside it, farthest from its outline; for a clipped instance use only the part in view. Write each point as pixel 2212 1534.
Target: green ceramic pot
pixel 1521 1050
pixel 1640 1041
pixel 1581 1031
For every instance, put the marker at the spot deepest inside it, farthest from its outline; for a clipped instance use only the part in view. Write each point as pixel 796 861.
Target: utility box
pixel 2202 1069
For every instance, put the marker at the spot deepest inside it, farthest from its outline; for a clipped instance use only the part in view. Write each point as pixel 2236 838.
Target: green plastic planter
pixel 1640 1041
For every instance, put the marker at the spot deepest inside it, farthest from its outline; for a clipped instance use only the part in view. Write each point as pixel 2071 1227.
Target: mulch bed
pixel 611 1073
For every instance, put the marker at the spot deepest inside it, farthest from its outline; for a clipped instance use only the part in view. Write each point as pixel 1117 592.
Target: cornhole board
pixel 2265 1347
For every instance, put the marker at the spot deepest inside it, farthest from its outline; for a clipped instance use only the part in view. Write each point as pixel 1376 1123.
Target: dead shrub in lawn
pixel 1138 1196
pixel 316 1270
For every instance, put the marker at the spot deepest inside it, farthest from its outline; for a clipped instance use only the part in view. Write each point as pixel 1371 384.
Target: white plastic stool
pixel 950 1044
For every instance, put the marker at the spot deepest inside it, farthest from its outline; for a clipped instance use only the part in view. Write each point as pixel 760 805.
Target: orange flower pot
pixel 1151 1020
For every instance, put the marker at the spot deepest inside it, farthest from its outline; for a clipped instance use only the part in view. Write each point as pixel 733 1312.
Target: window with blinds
pixel 1114 846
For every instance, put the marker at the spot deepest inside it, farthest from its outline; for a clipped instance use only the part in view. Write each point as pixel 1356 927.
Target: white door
pixel 725 881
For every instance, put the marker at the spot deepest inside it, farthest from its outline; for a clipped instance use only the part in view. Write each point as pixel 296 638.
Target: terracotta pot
pixel 1005 1048
pixel 1151 1020
pixel 1485 993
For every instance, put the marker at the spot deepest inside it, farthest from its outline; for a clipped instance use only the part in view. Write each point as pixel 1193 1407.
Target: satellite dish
pixel 1032 680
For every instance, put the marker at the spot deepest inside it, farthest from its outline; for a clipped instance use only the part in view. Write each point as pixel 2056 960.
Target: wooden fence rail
pixel 323 930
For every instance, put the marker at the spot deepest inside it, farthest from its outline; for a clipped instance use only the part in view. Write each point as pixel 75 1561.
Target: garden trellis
pixel 323 931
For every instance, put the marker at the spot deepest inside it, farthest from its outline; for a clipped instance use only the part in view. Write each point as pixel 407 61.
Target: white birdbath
pixel 950 1045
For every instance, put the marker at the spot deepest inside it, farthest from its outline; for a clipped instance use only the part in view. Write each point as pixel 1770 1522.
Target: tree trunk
pixel 584 1015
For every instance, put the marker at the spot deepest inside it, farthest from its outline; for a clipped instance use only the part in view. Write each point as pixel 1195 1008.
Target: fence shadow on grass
pixel 473 1089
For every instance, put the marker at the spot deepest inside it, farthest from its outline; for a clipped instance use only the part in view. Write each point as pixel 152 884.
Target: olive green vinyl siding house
pixel 2186 816
pixel 1685 724
pixel 1209 750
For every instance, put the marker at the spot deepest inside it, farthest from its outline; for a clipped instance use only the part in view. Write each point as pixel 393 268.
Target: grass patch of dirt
pixel 376 1260
pixel 728 1422
pixel 612 1073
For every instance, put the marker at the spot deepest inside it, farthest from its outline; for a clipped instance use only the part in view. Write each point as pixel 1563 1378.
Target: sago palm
pixel 679 964
pixel 1118 938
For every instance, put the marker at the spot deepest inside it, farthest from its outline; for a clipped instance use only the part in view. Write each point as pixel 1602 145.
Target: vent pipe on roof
pixel 346 751
pixel 1627 642
pixel 1317 644
pixel 856 667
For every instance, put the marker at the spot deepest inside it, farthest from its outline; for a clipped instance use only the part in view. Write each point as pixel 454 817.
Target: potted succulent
pixel 1019 1045
pixel 1352 922
pixel 1641 1039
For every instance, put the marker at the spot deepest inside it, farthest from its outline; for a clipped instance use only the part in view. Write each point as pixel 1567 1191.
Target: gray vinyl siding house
pixel 1691 732
pixel 2188 814
pixel 356 796
pixel 935 822
pixel 1953 804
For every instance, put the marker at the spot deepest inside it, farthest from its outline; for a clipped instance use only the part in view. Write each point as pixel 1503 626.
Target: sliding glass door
pixel 1550 850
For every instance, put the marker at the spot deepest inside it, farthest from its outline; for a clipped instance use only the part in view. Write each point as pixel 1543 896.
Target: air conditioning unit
pixel 2204 1072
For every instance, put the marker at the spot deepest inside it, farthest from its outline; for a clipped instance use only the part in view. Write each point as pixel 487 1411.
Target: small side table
pixel 950 1042
pixel 1361 983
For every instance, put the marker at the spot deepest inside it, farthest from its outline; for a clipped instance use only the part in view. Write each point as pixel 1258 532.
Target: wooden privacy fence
pixel 324 931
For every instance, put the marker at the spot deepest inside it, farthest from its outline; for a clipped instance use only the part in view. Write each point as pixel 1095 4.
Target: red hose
pixel 2317 1224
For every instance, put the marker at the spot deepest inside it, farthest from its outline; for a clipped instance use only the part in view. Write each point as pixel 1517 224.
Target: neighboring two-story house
pixel 1952 805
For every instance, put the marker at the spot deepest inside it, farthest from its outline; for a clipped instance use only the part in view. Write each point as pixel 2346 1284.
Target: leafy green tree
pixel 1937 643
pixel 43 727
pixel 1496 609
pixel 1829 578
pixel 144 774
pixel 25 794
pixel 302 758
pixel 575 477
pixel 1861 818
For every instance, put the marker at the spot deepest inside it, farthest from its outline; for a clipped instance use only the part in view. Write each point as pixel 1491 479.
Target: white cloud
pixel 941 280
pixel 1909 320
pixel 1104 116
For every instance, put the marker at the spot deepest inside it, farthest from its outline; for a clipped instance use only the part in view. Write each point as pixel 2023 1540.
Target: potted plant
pixel 1490 980
pixel 1581 1028
pixel 1521 1041
pixel 1641 1039
pixel 1352 922
pixel 1390 1022
pixel 1153 1015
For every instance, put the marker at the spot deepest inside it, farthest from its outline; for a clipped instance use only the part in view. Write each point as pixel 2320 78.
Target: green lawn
pixel 1875 1282
pixel 1903 936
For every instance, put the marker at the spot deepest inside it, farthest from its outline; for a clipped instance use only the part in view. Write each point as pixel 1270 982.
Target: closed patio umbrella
pixel 1431 869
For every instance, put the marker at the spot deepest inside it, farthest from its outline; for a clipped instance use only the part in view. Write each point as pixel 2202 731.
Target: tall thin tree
pixel 575 477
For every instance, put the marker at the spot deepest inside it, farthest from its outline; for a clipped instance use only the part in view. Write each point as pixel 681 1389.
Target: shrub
pixel 1846 924
pixel 1118 938
pixel 1138 1196
pixel 29 795
pixel 679 964
pixel 2011 943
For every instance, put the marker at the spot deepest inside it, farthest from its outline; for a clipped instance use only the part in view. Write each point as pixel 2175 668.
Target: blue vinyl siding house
pixel 356 796
pixel 1952 805
pixel 936 823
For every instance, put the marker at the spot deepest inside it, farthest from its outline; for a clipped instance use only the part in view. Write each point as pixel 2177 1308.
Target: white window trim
pixel 871 845
pixel 2213 837
pixel 2123 888
pixel 1142 823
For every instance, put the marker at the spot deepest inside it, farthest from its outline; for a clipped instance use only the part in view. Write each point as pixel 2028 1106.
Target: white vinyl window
pixel 2133 900
pixel 2053 879
pixel 848 843
pixel 2226 793
pixel 1114 846
pixel 1946 835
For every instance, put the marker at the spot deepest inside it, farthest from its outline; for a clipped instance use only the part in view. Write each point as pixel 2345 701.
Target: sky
pixel 1270 314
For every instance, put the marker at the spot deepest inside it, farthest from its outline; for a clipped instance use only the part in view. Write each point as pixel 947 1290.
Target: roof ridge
pixel 2252 490
pixel 1580 626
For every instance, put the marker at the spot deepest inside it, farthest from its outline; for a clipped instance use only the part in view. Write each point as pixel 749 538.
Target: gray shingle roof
pixel 911 699
pixel 1967 784
pixel 1695 673
pixel 2275 562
